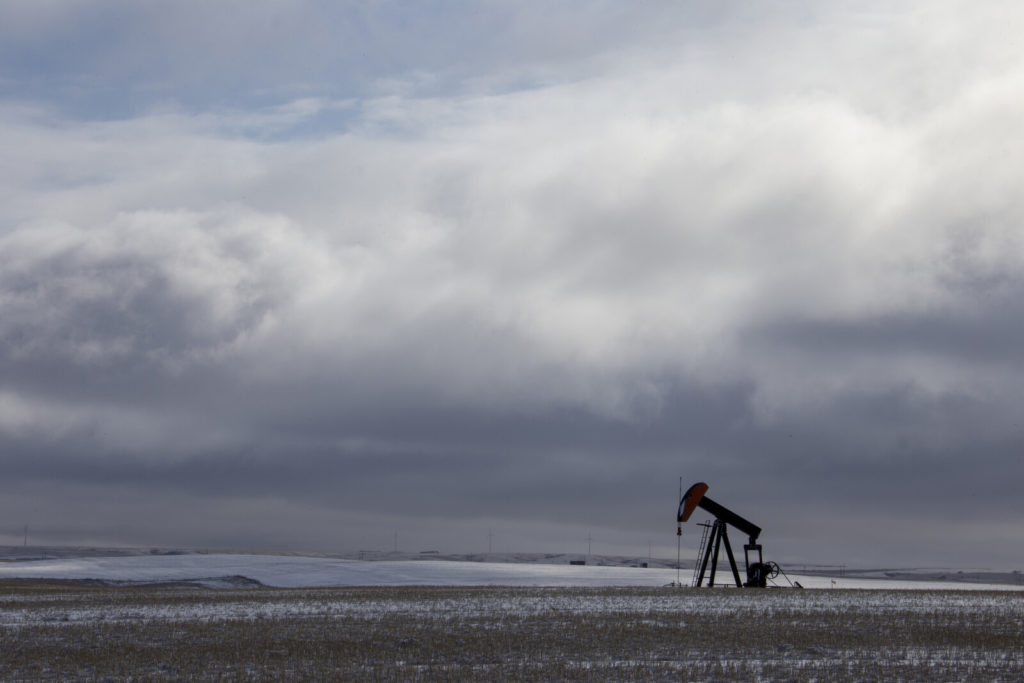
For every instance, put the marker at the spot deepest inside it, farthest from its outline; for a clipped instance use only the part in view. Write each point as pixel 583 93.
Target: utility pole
pixel 396 541
pixel 490 534
pixel 589 539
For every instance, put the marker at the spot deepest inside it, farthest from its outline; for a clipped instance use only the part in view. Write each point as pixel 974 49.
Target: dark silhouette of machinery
pixel 716 535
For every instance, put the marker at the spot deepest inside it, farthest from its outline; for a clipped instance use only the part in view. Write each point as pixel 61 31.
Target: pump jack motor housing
pixel 758 571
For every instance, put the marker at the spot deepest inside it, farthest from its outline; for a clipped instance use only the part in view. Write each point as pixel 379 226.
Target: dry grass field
pixel 76 631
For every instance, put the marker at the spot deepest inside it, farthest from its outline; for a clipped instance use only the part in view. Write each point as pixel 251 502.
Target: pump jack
pixel 758 571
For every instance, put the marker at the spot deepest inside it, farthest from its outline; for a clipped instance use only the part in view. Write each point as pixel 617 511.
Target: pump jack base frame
pixel 719 536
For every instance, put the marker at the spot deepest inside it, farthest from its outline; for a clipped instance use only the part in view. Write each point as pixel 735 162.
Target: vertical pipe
pixel 679 536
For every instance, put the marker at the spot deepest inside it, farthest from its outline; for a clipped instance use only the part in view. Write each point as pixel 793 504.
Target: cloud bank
pixel 351 270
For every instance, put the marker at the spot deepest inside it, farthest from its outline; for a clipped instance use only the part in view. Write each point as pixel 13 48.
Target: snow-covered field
pixel 299 572
pixel 150 616
pixel 296 572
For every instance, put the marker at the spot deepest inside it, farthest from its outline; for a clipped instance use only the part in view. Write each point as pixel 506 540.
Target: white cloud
pixel 615 225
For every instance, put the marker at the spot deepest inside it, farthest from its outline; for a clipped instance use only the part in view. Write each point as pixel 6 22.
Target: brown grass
pixel 52 631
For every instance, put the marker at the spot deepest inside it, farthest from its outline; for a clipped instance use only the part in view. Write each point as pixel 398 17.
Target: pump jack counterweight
pixel 758 571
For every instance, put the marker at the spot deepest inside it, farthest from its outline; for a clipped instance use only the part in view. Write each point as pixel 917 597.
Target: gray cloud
pixel 519 279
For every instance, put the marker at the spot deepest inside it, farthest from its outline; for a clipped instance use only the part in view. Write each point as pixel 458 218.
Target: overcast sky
pixel 285 274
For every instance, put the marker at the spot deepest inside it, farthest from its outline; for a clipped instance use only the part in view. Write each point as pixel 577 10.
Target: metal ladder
pixel 700 551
